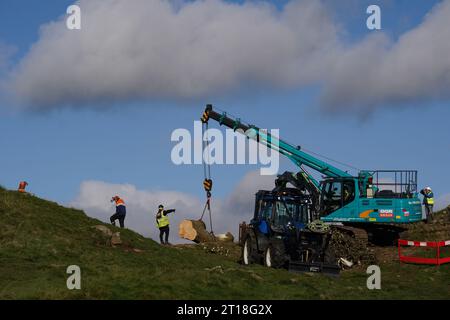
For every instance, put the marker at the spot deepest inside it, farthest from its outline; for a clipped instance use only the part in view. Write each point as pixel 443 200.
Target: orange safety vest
pixel 22 186
pixel 119 202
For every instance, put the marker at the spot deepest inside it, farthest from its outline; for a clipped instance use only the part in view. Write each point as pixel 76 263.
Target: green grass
pixel 39 239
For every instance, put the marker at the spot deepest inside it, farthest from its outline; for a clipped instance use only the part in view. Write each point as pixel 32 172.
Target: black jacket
pixel 121 210
pixel 164 213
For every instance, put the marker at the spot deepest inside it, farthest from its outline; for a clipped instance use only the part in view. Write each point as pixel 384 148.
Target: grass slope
pixel 39 239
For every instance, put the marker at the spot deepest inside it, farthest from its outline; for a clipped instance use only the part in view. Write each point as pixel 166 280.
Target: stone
pixel 115 239
pixel 103 229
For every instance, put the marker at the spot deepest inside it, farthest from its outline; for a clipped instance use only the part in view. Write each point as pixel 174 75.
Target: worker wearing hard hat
pixel 121 211
pixel 428 202
pixel 162 222
pixel 22 186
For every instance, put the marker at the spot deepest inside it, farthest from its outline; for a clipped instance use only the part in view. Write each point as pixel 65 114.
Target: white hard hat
pixel 428 188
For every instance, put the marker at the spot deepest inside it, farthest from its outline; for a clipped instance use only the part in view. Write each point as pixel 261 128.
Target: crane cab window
pixel 348 192
pixel 336 194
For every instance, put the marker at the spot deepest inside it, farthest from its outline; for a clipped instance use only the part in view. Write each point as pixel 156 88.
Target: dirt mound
pixel 345 246
pixel 437 230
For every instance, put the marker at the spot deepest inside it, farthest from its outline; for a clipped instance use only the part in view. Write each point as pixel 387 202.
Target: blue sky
pixel 129 142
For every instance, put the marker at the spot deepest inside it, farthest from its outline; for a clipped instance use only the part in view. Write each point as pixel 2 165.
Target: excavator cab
pixel 336 194
pixel 380 196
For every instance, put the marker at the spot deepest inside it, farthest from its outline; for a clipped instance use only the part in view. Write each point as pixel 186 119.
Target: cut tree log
pixel 195 230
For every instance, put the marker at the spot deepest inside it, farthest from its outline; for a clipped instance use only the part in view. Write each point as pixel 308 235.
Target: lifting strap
pixel 207 182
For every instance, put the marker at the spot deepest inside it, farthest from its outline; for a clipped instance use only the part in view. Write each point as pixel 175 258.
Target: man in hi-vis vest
pixel 162 222
pixel 428 201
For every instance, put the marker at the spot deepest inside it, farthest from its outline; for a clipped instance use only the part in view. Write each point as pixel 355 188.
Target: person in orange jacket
pixel 22 186
pixel 121 212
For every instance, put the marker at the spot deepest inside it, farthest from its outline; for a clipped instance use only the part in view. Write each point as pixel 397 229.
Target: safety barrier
pixel 421 260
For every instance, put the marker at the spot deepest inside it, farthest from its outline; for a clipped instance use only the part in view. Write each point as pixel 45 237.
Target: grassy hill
pixel 39 239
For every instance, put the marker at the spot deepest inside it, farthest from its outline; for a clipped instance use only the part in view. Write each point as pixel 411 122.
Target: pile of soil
pixel 343 245
pixel 437 230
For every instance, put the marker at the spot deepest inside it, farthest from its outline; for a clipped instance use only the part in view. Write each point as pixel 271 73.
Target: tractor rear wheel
pixel 274 257
pixel 247 257
pixel 268 257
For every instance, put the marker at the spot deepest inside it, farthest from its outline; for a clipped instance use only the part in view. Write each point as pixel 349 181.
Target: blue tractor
pixel 291 224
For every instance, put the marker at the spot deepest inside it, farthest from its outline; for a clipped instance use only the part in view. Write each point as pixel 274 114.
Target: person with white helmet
pixel 428 202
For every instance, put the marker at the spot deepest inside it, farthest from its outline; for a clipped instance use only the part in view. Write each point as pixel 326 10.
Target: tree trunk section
pixel 195 230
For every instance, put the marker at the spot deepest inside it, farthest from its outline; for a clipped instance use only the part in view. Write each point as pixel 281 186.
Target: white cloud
pixel 180 50
pixel 6 51
pixel 153 49
pixel 378 71
pixel 227 213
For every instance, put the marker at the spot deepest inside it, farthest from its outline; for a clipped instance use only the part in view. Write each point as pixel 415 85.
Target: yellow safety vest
pixel 430 201
pixel 163 220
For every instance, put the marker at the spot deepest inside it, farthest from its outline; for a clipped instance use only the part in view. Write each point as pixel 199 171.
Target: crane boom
pixel 295 154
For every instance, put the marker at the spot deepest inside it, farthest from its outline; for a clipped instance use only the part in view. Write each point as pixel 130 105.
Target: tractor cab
pixel 276 211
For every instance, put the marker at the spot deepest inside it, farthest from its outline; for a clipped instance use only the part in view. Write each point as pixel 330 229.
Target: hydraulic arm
pixel 295 154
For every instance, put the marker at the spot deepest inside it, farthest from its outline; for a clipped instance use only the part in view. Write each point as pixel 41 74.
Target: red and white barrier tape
pixel 438 260
pixel 424 243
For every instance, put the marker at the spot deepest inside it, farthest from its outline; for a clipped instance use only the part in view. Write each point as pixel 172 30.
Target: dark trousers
pixel 429 212
pixel 121 219
pixel 162 231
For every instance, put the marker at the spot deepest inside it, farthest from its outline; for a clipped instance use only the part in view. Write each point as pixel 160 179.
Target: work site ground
pixel 40 239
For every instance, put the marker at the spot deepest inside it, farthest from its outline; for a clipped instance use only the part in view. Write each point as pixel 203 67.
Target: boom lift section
pixel 295 154
pixel 343 197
